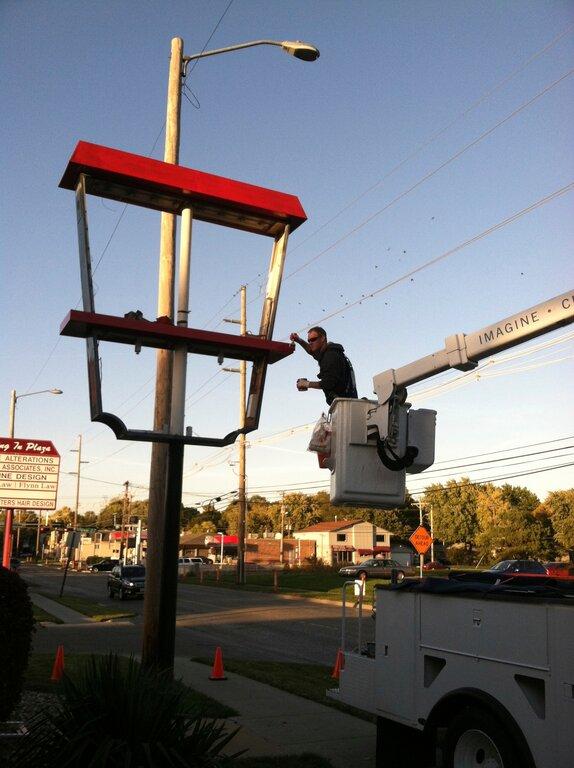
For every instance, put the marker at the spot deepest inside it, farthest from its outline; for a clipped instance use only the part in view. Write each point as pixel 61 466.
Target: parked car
pixel 377 568
pixel 527 567
pixel 435 565
pixel 194 561
pixel 560 570
pixel 105 564
pixel 126 581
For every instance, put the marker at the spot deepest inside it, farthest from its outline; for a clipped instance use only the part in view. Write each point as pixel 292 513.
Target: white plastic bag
pixel 321 438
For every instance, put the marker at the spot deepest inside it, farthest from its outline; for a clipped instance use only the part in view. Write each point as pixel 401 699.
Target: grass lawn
pixel 39 671
pixel 310 681
pixel 38 679
pixel 307 582
pixel 41 615
pixel 96 611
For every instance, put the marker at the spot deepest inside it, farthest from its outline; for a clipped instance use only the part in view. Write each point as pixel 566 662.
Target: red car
pixel 560 570
pixel 435 565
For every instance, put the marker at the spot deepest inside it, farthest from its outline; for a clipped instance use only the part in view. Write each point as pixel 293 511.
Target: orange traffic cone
pixel 339 664
pixel 217 672
pixel 58 668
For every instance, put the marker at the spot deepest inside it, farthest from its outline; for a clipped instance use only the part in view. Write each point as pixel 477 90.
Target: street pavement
pixel 247 625
pixel 272 722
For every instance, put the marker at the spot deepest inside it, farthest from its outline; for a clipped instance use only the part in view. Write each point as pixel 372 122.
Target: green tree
pixel 520 498
pixel 211 518
pixel 512 525
pixel 454 511
pixel 111 515
pixel 303 510
pixel 189 518
pixel 88 520
pixel 560 505
pixel 401 521
pixel 63 515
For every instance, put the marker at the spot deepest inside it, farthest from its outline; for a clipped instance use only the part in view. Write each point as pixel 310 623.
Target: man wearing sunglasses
pixel 336 375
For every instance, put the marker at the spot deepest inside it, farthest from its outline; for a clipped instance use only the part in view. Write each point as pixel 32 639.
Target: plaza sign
pixel 29 471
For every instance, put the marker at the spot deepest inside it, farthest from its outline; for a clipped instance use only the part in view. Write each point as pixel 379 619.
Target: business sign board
pixel 29 471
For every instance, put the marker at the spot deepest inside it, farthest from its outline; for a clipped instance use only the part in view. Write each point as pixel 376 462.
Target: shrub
pixel 16 627
pixel 122 715
pixel 315 563
pixel 460 556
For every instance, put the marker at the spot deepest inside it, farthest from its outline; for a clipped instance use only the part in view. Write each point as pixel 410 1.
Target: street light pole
pixel 163 513
pixel 166 468
pixel 7 546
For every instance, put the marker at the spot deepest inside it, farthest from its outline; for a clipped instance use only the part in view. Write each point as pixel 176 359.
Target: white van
pixel 190 561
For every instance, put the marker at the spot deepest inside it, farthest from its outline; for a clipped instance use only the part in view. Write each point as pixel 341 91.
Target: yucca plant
pixel 117 714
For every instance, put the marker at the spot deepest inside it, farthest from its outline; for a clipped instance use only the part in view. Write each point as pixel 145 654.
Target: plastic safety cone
pixel 217 672
pixel 58 668
pixel 339 664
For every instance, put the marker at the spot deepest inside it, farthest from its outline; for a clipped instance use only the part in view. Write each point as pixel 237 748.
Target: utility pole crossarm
pixel 463 351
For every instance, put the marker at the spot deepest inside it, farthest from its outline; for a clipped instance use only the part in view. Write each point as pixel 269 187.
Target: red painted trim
pixel 164 335
pixel 186 184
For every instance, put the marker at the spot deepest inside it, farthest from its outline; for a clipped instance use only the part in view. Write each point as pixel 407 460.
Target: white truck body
pixel 436 653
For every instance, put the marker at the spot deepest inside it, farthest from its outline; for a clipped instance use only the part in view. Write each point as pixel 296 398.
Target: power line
pixel 505 477
pixel 422 146
pixel 430 174
pixel 121 215
pixel 513 217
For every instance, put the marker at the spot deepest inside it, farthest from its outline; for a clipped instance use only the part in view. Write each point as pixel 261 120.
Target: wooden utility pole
pixel 163 515
pixel 241 528
pixel 78 450
pixel 241 501
pixel 282 546
pixel 125 523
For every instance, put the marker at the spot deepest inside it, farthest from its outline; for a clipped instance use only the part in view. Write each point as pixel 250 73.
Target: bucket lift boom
pixel 403 439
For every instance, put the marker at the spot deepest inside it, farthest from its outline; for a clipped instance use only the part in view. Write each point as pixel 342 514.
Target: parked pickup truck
pixel 474 670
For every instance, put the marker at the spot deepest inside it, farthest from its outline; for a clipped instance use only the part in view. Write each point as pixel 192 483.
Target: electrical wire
pixel 121 215
pixel 481 235
pixel 432 173
pixel 422 146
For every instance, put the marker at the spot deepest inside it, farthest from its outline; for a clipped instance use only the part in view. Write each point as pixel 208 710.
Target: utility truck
pixel 474 670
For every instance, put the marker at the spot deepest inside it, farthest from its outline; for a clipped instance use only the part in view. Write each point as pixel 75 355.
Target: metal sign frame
pixel 161 186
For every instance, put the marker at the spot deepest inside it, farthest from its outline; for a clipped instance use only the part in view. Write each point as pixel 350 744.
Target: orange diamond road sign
pixel 421 540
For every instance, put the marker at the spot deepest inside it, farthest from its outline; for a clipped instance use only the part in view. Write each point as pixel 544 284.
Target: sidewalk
pixel 67 615
pixel 273 722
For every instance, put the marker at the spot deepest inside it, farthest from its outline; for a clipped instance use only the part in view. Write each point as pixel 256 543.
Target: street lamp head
pixel 301 50
pixel 57 391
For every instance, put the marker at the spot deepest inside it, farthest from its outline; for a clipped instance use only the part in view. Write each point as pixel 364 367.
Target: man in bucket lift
pixel 336 375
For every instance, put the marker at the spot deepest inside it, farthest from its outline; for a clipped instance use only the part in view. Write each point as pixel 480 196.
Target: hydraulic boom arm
pixel 463 351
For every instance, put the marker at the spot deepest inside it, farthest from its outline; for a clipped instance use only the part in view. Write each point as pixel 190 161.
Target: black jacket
pixel 335 373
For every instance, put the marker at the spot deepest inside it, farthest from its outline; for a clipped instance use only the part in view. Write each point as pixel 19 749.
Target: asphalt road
pixel 247 625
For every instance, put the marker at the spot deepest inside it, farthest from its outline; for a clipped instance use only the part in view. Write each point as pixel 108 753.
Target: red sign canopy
pixel 226 540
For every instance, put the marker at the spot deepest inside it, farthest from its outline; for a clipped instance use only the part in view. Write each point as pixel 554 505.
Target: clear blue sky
pixel 422 125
